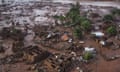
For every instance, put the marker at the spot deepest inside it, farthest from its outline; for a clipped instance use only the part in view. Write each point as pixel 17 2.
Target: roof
pixel 102 42
pixel 89 49
pixel 98 34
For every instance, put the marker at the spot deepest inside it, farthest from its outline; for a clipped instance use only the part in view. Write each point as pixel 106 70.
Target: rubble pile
pixel 33 54
pixel 61 62
pixel 12 33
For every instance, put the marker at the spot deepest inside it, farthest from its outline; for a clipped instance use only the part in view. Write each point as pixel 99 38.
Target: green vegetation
pixel 115 11
pixel 73 15
pixel 74 11
pixel 86 25
pixel 112 30
pixel 59 17
pixel 78 33
pixel 108 18
pixel 87 56
pixel 74 19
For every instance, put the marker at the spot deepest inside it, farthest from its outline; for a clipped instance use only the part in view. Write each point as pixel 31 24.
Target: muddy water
pixel 83 2
pixel 94 3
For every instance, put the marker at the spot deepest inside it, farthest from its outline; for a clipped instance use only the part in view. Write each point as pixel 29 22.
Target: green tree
pixel 108 18
pixel 78 33
pixel 115 11
pixel 86 25
pixel 112 30
pixel 74 14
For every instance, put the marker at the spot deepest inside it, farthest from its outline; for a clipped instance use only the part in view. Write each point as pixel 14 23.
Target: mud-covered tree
pixel 111 30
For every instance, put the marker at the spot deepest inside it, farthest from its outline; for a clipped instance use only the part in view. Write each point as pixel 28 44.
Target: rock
pixel 81 42
pixel 78 68
pixel 81 70
pixel 49 35
pixel 81 58
pixel 70 40
pixel 34 67
pixel 60 60
pixel 73 53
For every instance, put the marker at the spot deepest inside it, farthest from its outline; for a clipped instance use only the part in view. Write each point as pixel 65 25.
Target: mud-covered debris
pixel 8 60
pixel 2 50
pixel 62 46
pixel 12 33
pixel 17 46
pixel 33 54
pixel 61 62
pixel 51 35
pixel 110 58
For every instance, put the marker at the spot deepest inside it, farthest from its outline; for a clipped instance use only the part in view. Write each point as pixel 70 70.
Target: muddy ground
pixel 25 17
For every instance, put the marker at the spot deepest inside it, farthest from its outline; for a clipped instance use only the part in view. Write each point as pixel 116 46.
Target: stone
pixel 70 40
pixel 34 67
pixel 81 42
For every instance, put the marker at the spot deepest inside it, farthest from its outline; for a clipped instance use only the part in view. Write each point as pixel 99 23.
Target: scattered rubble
pixel 33 54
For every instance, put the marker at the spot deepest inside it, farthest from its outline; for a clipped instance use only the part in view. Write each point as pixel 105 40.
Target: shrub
pixel 112 30
pixel 86 25
pixel 74 14
pixel 59 17
pixel 108 18
pixel 115 11
pixel 87 56
pixel 78 33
